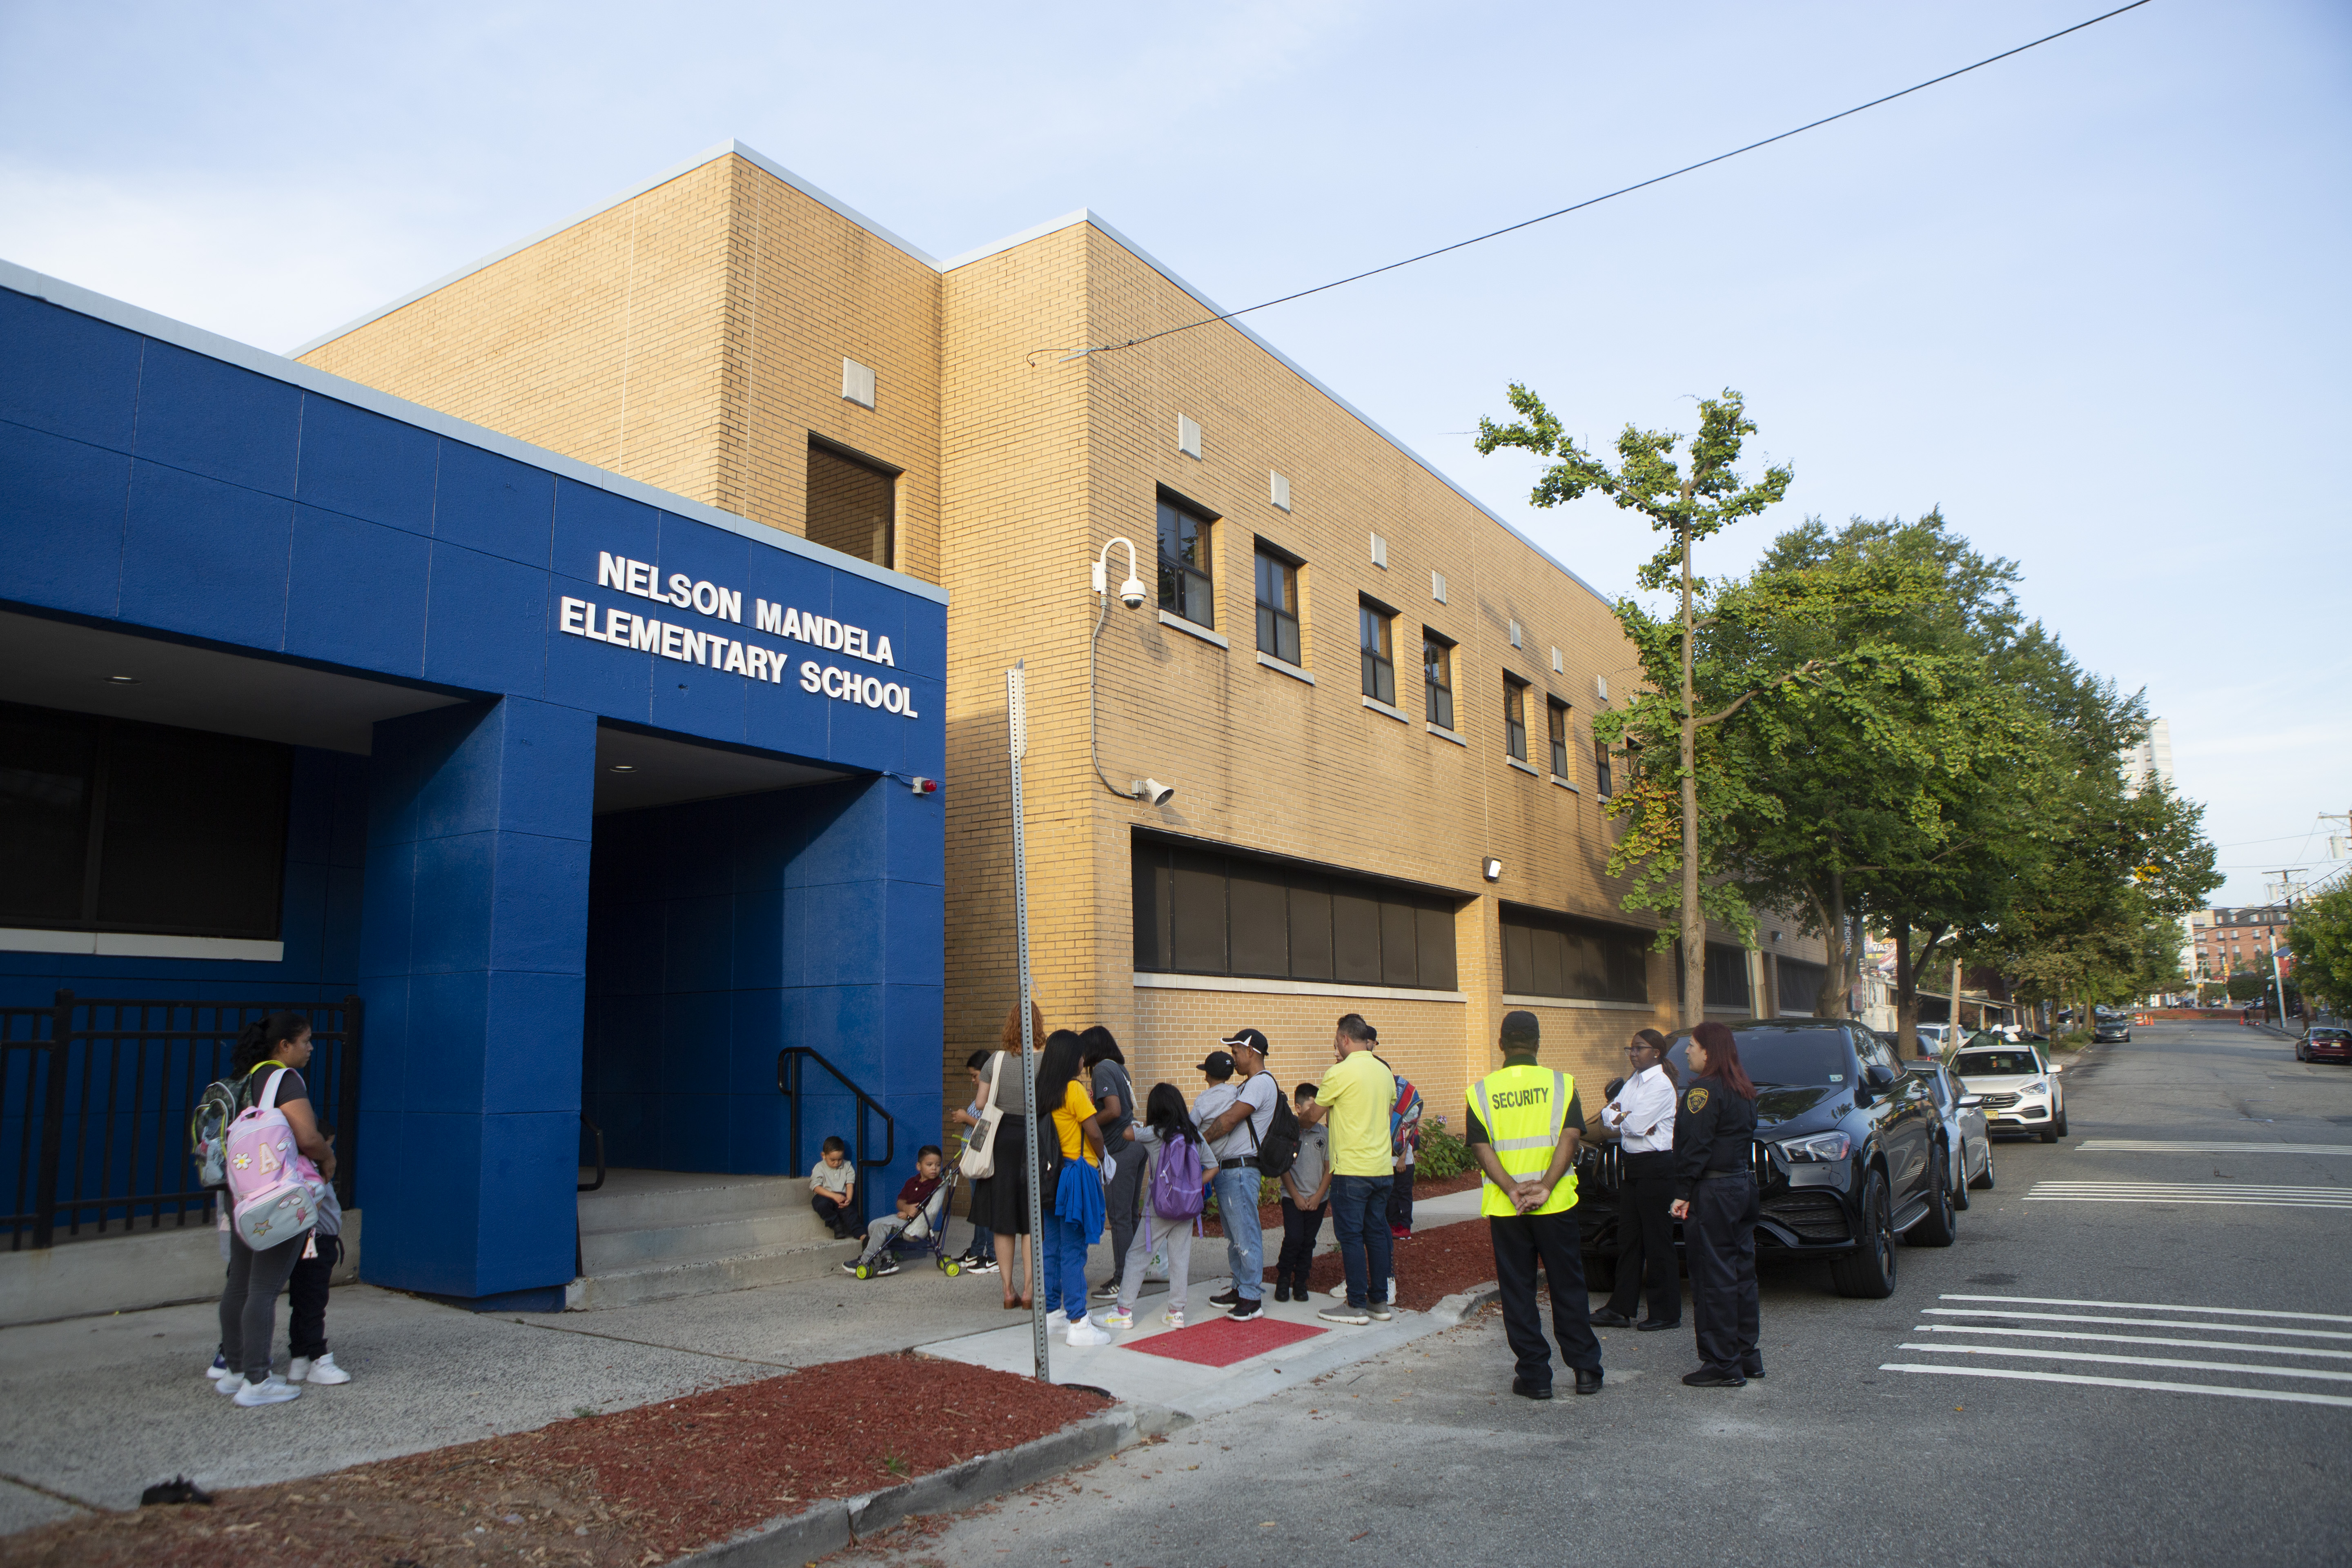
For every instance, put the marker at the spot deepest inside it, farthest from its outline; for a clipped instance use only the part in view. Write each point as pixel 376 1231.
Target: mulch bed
pixel 623 1490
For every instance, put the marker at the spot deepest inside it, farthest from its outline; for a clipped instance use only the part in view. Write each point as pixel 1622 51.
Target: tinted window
pixel 1546 954
pixel 1206 912
pixel 1783 1056
pixel 1995 1064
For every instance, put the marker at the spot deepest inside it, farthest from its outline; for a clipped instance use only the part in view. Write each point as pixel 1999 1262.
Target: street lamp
pixel 1131 593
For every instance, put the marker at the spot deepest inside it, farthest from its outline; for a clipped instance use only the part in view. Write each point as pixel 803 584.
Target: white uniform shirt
pixel 1645 1120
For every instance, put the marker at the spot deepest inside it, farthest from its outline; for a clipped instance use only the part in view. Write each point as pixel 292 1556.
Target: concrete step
pixel 606 1250
pixel 706 1275
pixel 641 1200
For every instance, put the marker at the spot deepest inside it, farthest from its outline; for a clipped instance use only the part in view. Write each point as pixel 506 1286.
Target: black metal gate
pixel 95 1094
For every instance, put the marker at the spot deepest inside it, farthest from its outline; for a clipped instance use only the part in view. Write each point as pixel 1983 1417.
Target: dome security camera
pixel 1130 592
pixel 1151 791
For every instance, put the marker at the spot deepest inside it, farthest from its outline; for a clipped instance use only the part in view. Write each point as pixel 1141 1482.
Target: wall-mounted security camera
pixel 1130 592
pixel 1151 791
pixel 1491 869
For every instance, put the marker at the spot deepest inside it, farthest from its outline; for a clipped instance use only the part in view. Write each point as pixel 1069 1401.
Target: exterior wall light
pixel 1491 869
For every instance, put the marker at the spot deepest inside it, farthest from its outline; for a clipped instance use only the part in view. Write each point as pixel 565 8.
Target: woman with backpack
pixel 1177 1166
pixel 271 1054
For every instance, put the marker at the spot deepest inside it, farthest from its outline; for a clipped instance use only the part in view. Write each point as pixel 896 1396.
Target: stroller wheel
pixel 865 1271
pixel 951 1268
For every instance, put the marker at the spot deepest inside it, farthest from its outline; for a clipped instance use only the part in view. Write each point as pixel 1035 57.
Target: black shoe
pixel 1610 1318
pixel 1226 1297
pixel 1752 1367
pixel 1282 1289
pixel 1588 1382
pixel 1530 1391
pixel 1244 1311
pixel 1713 1377
pixel 1656 1325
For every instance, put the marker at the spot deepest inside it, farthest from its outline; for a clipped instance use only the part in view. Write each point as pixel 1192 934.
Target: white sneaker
pixel 275 1391
pixel 219 1369
pixel 1086 1332
pixel 230 1383
pixel 323 1370
pixel 1056 1320
pixel 1117 1318
pixel 1172 1317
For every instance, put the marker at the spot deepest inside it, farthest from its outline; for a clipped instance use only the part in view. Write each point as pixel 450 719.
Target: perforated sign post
pixel 1016 708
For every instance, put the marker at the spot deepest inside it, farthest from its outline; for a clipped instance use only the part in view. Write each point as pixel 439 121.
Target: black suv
pixel 1847 1155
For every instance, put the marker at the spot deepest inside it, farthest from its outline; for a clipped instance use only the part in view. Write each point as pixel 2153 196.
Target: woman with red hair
pixel 1715 1197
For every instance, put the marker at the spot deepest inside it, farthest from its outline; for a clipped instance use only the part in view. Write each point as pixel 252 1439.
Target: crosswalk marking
pixel 2235 1195
pixel 2151 1307
pixel 2132 1323
pixel 2284 1396
pixel 1987 1329
pixel 2302 1371
pixel 2161 1146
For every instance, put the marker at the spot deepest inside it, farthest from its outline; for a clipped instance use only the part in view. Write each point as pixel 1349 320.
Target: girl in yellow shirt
pixel 1074 1218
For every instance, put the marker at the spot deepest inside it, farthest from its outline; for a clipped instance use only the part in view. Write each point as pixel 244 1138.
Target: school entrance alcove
pixel 744 910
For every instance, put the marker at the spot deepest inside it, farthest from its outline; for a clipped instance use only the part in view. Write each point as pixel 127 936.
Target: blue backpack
pixel 1177 1190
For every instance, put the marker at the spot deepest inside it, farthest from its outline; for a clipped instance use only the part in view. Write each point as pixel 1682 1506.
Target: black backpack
pixel 1278 1150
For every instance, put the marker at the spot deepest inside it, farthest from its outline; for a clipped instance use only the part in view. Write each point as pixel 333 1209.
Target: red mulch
pixel 1221 1341
pixel 1431 1265
pixel 634 1488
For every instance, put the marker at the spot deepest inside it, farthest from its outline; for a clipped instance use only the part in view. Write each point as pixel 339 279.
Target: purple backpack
pixel 1177 1191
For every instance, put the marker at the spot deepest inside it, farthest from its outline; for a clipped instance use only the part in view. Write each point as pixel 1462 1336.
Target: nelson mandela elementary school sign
pixel 713 649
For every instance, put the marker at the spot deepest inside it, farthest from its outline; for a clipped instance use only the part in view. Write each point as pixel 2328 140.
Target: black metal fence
pixel 95 1094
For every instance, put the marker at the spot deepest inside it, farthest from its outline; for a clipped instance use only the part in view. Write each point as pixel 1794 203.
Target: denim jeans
pixel 1359 1216
pixel 1237 1187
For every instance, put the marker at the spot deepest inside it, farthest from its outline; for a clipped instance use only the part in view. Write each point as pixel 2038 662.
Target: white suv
pixel 2015 1085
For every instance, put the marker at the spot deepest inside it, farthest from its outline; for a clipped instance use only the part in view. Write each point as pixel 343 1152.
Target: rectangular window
pixel 1601 778
pixel 1546 954
pixel 1726 975
pixel 1207 911
pixel 1374 628
pixel 1556 726
pixel 852 502
pixel 1277 606
pixel 1801 985
pixel 1515 717
pixel 1437 678
pixel 106 825
pixel 1185 588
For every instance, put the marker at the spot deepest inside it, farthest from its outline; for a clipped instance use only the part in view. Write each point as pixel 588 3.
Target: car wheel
pixel 2062 1121
pixel 1983 1183
pixel 1961 1182
pixel 1868 1271
pixel 1942 1225
pixel 2048 1134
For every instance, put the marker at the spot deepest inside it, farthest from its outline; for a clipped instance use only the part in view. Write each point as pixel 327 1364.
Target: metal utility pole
pixel 1016 708
pixel 2288 887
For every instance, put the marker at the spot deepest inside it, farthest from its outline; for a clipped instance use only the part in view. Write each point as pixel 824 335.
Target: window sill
pixel 136 944
pixel 1523 767
pixel 1194 628
pixel 1444 734
pixel 1565 785
pixel 1149 981
pixel 1377 706
pixel 1280 667
pixel 1511 1000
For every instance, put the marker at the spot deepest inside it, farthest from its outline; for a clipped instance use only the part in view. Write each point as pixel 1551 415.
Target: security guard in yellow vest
pixel 1524 1126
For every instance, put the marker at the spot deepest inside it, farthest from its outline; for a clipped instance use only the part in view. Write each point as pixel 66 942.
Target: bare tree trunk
pixel 1694 917
pixel 1835 986
pixel 1907 993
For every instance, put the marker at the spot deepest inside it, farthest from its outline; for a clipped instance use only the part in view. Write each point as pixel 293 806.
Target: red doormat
pixel 1224 1341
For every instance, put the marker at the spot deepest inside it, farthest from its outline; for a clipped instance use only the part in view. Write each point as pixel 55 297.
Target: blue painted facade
pixel 157 481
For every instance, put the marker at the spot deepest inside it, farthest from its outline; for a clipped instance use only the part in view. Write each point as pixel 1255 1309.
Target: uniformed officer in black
pixel 1715 1197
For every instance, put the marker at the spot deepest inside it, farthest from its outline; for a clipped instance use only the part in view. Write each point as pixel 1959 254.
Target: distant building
pixel 2228 941
pixel 2152 758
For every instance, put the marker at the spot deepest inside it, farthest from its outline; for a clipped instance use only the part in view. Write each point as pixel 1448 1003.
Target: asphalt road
pixel 1869 1442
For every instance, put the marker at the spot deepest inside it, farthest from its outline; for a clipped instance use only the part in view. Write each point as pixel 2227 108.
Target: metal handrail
pixel 788 1084
pixel 598 1134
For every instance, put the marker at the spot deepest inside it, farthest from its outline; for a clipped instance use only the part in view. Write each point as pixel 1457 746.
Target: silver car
pixel 1966 1135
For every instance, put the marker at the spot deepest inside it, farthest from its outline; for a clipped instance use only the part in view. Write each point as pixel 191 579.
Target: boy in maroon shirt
pixel 908 1221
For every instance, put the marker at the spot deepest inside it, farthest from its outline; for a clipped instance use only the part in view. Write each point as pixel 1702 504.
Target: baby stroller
pixel 925 1234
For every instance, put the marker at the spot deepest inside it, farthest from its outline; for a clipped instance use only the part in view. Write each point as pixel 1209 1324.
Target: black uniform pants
pixel 1301 1229
pixel 306 1293
pixel 1719 1238
pixel 1558 1240
pixel 1646 1238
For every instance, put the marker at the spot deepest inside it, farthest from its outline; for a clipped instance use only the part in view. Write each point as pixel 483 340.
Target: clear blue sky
pixel 2091 300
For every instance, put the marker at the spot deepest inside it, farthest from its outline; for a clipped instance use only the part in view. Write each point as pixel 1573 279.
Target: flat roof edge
pixel 675 170
pixel 277 367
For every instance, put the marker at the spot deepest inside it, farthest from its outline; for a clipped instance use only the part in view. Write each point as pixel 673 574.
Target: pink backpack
pixel 273 1191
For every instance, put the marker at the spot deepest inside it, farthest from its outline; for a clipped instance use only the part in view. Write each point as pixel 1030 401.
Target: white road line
pixel 2183 1198
pixel 2258 1189
pixel 2281 1396
pixel 2302 1371
pixel 2158 1146
pixel 2152 1307
pixel 2131 1322
pixel 2130 1339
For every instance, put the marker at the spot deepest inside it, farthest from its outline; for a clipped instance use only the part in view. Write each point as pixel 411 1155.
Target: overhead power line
pixel 1608 195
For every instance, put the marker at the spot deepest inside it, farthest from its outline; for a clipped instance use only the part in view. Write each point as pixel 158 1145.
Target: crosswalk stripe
pixel 2281 1396
pixel 2151 1307
pixel 2130 1322
pixel 2158 1146
pixel 2131 1339
pixel 2182 1198
pixel 2263 1189
pixel 2304 1372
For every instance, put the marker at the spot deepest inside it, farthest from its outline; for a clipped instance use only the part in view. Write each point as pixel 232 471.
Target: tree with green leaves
pixel 2319 934
pixel 1688 504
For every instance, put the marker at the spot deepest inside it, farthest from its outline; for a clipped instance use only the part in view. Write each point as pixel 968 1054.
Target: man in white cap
pixel 1234 1133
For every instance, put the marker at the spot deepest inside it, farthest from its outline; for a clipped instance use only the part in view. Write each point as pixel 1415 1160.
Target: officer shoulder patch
pixel 1695 1101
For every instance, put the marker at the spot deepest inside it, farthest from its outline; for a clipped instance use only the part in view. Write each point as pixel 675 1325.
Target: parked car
pixel 1850 1154
pixel 2323 1043
pixel 2110 1026
pixel 1933 1038
pixel 1967 1140
pixel 2015 1085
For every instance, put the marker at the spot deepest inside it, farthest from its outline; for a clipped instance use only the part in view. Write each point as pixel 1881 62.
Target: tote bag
pixel 978 1161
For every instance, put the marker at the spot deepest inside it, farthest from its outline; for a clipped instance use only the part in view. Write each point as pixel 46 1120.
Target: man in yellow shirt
pixel 1355 1098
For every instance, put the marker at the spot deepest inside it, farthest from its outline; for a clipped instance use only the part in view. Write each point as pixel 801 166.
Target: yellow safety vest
pixel 1524 1108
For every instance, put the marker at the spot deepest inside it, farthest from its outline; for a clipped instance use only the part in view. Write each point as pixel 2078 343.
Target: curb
pixel 796 1539
pixel 1456 1309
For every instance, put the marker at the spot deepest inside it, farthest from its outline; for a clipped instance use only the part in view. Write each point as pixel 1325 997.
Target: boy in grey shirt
pixel 1305 1197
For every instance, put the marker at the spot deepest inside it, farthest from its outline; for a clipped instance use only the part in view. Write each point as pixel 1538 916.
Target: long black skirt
pixel 1002 1201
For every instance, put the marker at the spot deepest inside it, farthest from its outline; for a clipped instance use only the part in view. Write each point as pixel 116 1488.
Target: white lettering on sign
pixel 621 629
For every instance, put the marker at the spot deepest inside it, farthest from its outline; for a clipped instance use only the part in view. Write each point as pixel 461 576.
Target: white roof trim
pixel 261 361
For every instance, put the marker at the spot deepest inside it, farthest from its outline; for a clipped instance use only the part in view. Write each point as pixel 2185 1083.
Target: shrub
pixel 1442 1153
